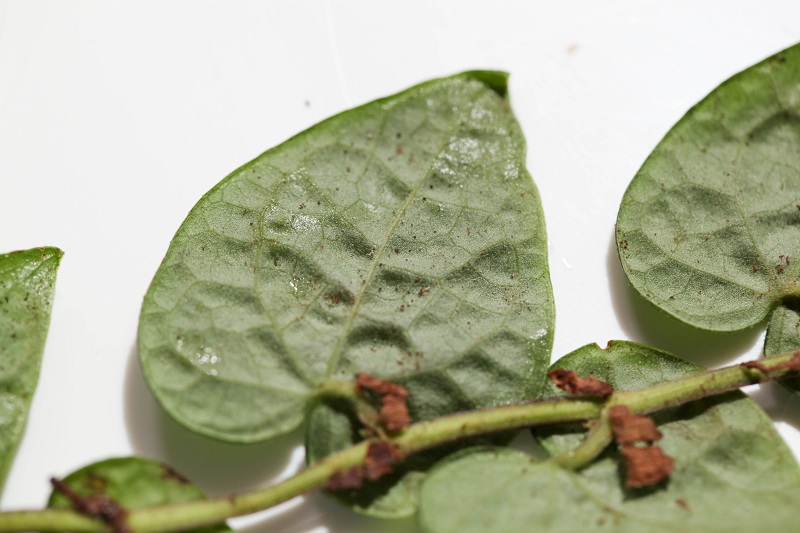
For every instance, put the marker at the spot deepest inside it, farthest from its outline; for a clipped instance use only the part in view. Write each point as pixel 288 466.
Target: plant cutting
pixel 382 279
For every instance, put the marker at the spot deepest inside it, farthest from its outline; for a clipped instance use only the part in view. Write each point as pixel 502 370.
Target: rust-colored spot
pixel 683 503
pixel 393 414
pixel 755 268
pixel 646 466
pixel 629 428
pixel 380 459
pixel 569 381
pixel 352 478
pixel 99 506
pixel 756 366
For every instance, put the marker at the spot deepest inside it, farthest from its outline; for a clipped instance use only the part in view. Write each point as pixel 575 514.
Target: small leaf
pixel 709 229
pixel 403 239
pixel 27 283
pixel 132 483
pixel 732 471
pixel 783 335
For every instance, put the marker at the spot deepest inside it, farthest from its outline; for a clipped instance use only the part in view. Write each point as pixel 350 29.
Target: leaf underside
pixel 27 283
pixel 733 472
pixel 133 483
pixel 403 238
pixel 709 228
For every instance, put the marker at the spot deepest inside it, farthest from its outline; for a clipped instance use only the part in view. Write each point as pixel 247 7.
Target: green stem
pixel 598 437
pixel 708 383
pixel 422 436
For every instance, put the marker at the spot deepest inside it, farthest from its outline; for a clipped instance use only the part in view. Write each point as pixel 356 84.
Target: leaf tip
pixel 496 80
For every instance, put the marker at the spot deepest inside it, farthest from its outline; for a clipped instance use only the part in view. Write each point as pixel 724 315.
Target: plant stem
pixel 422 436
pixel 598 437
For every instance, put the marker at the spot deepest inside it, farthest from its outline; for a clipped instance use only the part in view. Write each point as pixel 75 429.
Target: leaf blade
pixel 27 284
pixel 394 239
pixel 706 228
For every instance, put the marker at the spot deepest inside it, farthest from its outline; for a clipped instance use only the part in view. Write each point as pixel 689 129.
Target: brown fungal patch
pixel 379 461
pixel 630 429
pixel 393 414
pixel 349 479
pixel 646 466
pixel 99 506
pixel 569 381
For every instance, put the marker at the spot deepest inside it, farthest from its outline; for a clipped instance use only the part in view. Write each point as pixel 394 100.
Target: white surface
pixel 115 117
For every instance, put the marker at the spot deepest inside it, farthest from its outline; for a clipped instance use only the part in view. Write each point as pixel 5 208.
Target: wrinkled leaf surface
pixel 732 472
pixel 709 229
pixel 27 283
pixel 403 238
pixel 133 483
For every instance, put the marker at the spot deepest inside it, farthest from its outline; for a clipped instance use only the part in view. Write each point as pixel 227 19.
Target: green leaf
pixel 709 229
pixel 732 470
pixel 27 283
pixel 403 238
pixel 133 483
pixel 783 335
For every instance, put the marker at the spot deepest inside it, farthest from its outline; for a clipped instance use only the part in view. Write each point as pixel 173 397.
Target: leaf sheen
pixel 733 472
pixel 403 238
pixel 709 228
pixel 27 284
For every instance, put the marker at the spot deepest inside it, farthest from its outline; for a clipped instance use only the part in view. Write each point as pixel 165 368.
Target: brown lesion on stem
pixel 393 415
pixel 571 382
pixel 769 372
pixel 646 464
pixel 379 461
pixel 99 506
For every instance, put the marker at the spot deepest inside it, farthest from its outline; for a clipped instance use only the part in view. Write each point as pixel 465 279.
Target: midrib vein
pixel 338 349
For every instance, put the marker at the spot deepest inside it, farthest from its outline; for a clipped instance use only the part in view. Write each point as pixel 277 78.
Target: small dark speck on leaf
pixel 352 478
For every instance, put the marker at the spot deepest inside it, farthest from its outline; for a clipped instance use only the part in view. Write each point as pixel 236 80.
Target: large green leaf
pixel 709 229
pixel 132 483
pixel 403 238
pixel 27 282
pixel 732 472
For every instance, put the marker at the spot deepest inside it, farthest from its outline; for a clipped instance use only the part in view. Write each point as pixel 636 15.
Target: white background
pixel 115 117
